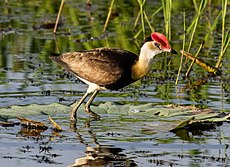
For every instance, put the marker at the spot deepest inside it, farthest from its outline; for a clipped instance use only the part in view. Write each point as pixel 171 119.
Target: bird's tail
pixel 58 58
pixel 52 55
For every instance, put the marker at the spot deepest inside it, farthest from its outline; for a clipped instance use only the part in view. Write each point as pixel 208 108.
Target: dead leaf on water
pixel 56 126
pixel 201 63
pixel 32 124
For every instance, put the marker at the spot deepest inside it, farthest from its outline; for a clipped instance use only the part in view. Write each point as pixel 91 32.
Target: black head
pixel 147 39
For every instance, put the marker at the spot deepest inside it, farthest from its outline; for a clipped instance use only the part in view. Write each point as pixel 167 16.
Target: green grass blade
pixel 141 4
pixel 202 6
pixel 167 5
pixel 108 16
pixel 136 20
pixel 224 9
pixel 182 56
pixel 148 22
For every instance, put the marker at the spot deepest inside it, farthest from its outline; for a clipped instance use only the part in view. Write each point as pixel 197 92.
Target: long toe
pixel 92 114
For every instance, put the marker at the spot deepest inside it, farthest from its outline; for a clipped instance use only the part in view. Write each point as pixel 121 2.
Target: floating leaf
pixel 175 116
pixel 32 110
pixel 183 124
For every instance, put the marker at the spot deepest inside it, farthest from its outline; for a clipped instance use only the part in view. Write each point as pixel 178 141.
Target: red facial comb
pixel 160 38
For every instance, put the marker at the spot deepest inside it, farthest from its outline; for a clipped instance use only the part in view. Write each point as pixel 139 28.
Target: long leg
pixel 87 106
pixel 76 105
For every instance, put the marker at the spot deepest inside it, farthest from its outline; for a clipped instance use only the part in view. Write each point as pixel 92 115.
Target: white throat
pixel 144 64
pixel 149 51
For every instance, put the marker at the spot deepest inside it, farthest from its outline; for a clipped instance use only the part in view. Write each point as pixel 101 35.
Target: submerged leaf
pixel 28 132
pixel 8 124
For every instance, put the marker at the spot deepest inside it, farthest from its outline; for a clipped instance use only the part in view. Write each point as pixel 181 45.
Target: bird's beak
pixel 173 51
pixel 170 50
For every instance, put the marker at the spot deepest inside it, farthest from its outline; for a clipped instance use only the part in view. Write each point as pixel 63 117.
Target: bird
pixel 108 68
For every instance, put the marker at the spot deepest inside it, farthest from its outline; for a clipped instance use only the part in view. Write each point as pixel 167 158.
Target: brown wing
pixel 103 66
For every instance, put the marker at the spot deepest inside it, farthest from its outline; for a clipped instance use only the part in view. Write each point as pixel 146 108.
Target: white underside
pixel 92 86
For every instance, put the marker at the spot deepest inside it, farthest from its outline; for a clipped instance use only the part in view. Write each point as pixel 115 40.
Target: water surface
pixel 28 76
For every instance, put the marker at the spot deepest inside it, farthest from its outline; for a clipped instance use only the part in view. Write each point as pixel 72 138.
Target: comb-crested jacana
pixel 110 68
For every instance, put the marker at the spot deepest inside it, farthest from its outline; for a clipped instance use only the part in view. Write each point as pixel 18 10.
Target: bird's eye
pixel 157 45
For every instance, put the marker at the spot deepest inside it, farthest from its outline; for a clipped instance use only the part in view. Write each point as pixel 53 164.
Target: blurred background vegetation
pixel 26 39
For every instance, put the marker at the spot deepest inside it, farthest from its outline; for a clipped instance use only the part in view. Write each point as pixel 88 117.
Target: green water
pixel 28 76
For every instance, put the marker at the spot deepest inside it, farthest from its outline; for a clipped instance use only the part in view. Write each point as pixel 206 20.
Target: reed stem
pixel 167 5
pixel 223 41
pixel 205 39
pixel 182 56
pixel 141 4
pixel 108 16
pixel 202 6
pixel 58 16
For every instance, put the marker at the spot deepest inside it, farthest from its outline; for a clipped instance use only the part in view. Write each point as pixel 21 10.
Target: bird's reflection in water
pixel 100 155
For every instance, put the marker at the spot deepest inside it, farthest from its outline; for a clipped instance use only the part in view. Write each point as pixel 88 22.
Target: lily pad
pixel 33 109
pixel 182 116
